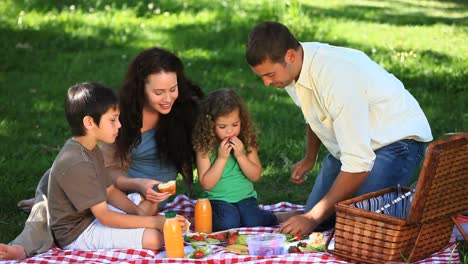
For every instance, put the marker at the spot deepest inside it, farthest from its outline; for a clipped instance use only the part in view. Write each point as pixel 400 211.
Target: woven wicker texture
pixel 368 237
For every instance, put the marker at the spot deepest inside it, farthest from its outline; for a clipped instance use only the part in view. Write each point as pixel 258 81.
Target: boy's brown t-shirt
pixel 78 181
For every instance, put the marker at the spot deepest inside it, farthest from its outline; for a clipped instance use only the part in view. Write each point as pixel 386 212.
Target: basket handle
pixel 460 228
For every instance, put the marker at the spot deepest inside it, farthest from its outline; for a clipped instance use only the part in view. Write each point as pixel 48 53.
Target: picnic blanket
pixel 185 206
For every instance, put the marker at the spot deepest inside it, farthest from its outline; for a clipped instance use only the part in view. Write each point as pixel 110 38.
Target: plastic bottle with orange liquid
pixel 173 236
pixel 203 215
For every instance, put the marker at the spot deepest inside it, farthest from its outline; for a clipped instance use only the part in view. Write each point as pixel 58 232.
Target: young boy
pixel 80 188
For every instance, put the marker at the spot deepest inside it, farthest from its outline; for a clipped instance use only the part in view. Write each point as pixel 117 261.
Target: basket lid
pixel 443 181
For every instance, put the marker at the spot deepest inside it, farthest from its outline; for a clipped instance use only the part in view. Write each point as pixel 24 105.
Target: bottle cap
pixel 203 195
pixel 170 214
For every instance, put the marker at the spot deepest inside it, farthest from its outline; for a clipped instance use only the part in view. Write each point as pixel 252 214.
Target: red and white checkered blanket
pixel 184 206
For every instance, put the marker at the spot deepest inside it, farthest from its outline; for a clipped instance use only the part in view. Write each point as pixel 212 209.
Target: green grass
pixel 46 46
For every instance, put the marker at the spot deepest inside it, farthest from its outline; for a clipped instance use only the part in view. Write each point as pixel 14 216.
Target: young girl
pixel 227 160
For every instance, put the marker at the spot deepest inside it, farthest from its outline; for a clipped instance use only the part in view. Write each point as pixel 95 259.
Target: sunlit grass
pixel 46 46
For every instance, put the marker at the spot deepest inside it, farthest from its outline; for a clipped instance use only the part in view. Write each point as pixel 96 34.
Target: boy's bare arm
pixel 123 182
pixel 142 186
pixel 120 200
pixel 119 220
pixel 148 207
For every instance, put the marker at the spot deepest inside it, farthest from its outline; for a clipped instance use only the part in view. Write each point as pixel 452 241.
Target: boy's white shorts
pixel 99 236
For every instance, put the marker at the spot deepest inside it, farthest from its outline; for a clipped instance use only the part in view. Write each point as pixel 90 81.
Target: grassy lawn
pixel 46 46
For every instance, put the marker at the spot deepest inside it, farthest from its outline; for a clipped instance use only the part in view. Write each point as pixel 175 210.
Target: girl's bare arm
pixel 209 174
pixel 250 164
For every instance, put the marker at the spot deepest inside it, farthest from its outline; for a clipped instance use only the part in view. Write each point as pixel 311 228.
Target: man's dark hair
pixel 269 40
pixel 88 99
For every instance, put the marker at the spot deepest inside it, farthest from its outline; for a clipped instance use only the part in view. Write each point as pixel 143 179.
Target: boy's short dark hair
pixel 88 99
pixel 269 40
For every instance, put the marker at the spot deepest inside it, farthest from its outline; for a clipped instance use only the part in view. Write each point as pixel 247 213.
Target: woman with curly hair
pixel 227 161
pixel 158 108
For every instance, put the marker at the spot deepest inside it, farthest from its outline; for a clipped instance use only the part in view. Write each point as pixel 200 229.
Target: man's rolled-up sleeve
pixel 349 109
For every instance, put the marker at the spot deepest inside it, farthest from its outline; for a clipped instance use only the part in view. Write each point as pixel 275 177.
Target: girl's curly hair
pixel 215 104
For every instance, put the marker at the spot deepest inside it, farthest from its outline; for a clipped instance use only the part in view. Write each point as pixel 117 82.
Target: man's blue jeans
pixel 245 213
pixel 394 164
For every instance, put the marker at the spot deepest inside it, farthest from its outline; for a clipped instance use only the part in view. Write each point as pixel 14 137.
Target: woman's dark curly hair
pixel 215 104
pixel 175 128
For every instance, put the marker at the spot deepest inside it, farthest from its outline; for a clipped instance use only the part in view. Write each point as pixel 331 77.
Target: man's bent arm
pixel 345 185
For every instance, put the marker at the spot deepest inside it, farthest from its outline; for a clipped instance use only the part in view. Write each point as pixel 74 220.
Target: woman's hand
pixel 146 188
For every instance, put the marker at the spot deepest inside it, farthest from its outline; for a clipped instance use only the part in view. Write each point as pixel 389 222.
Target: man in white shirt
pixel 372 126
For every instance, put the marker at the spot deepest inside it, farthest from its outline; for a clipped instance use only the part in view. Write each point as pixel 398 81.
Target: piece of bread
pixel 169 186
pixel 316 238
pixel 238 249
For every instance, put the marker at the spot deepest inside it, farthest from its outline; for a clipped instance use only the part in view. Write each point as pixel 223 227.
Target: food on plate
pixel 236 238
pixel 316 238
pixel 169 186
pixel 198 254
pixel 314 244
pixel 237 243
pixel 232 238
pixel 200 250
pixel 293 249
pixel 200 237
pixel 292 238
pixel 306 247
pixel 219 236
pixel 213 238
pixel 238 249
pixel 195 238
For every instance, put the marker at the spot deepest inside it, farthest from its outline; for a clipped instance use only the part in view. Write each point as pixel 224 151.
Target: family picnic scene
pixel 234 131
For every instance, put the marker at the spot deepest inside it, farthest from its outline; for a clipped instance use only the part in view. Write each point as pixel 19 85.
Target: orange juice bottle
pixel 173 236
pixel 203 220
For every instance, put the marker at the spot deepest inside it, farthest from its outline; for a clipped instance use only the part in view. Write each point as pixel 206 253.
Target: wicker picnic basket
pixel 364 236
